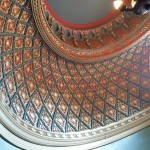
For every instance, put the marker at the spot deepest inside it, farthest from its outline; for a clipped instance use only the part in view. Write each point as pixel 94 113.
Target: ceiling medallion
pixel 93 44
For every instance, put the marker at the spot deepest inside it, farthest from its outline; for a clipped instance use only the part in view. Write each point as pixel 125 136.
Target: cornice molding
pixel 33 138
pixel 86 55
pixel 84 26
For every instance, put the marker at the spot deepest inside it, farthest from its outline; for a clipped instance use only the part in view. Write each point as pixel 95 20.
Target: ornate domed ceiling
pixel 58 95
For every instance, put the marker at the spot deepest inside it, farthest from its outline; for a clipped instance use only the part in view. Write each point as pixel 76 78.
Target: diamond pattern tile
pixel 58 95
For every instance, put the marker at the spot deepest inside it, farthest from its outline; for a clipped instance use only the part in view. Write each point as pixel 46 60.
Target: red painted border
pixel 80 26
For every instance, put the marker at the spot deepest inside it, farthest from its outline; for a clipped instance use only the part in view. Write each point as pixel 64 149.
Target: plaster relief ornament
pixel 91 44
pixel 54 94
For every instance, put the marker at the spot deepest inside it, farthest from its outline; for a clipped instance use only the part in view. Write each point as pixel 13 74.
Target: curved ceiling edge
pixel 33 137
pixel 86 55
pixel 84 26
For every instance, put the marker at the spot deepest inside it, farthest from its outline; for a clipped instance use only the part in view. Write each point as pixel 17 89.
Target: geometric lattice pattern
pixel 57 95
